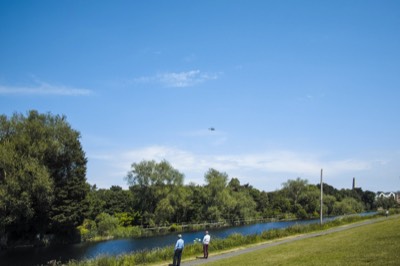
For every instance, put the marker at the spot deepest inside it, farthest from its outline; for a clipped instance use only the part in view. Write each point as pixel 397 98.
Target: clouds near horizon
pixel 194 165
pixel 41 88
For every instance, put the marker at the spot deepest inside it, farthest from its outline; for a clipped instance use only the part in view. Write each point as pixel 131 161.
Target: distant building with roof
pixel 387 195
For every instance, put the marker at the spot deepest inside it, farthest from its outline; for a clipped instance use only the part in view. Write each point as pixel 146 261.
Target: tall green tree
pixel 25 194
pixel 149 173
pixel 152 183
pixel 247 200
pixel 386 203
pixel 294 188
pixel 216 196
pixel 111 201
pixel 279 203
pixel 47 172
pixel 196 201
pixel 368 198
pixel 309 199
pixel 329 202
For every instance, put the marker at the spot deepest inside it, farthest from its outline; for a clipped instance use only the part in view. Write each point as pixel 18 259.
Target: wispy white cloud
pixel 311 97
pixel 43 88
pixel 178 79
pixel 252 167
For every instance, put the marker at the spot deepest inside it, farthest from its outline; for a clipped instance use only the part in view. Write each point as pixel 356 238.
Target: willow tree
pixel 219 202
pixel 294 188
pixel 155 186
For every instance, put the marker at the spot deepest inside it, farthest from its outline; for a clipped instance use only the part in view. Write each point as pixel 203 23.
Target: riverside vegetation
pixel 45 198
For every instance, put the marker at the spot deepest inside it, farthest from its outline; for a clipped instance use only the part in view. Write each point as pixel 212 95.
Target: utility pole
pixel 320 214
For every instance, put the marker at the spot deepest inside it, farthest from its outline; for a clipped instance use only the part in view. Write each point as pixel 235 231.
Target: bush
pixel 106 224
pixel 87 230
pixel 300 212
pixel 175 228
pixel 130 231
pixel 124 218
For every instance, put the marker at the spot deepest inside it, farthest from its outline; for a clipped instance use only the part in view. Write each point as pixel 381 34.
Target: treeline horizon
pixel 44 191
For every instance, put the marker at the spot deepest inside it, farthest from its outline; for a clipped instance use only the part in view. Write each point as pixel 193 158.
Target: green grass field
pixel 374 244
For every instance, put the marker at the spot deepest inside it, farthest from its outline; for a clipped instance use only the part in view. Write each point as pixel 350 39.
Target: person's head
pixel 206 232
pixel 179 236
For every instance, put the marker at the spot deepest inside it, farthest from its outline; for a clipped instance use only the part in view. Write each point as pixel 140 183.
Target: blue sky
pixel 290 86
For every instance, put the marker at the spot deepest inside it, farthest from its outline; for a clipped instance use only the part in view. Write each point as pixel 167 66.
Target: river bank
pixel 156 248
pixel 163 255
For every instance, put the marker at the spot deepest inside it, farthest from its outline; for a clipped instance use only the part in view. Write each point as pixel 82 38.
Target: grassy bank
pixel 218 245
pixel 374 244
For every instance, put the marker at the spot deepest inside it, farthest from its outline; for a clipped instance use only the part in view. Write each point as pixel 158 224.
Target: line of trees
pixel 43 190
pixel 158 197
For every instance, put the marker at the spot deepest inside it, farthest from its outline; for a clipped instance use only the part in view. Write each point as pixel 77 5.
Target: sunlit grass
pixel 374 244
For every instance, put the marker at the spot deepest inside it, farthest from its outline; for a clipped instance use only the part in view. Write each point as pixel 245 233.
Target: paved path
pixel 239 251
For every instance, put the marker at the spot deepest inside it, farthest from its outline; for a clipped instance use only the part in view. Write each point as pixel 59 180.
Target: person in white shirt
pixel 206 242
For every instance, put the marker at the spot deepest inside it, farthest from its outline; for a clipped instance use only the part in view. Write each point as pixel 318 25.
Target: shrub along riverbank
pixel 218 245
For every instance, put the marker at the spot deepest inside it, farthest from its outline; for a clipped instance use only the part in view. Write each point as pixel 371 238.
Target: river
pixel 41 255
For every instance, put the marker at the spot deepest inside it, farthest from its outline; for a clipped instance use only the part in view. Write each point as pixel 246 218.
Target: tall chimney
pixel 354 183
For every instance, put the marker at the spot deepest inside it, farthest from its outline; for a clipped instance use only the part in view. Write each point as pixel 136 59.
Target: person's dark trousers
pixel 205 251
pixel 177 257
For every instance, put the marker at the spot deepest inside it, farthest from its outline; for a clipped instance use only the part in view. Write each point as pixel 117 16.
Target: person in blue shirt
pixel 178 250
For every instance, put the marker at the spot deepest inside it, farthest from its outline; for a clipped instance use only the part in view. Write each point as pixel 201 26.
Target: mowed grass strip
pixel 373 244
